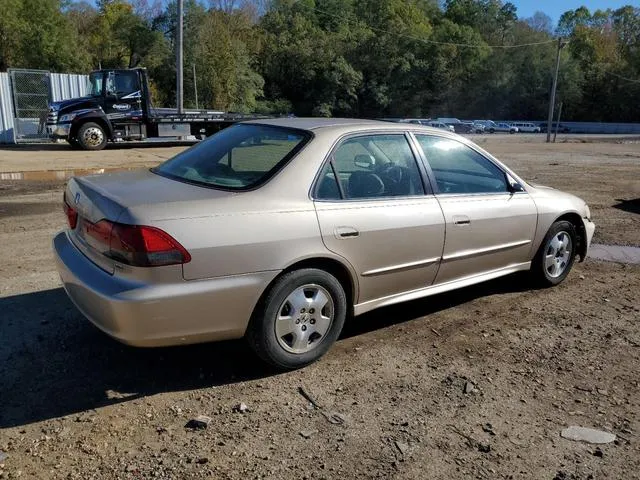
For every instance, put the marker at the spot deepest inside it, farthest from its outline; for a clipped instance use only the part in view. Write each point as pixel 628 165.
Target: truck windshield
pixel 94 87
pixel 240 157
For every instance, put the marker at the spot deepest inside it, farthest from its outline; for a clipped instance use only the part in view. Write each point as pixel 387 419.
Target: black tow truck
pixel 118 108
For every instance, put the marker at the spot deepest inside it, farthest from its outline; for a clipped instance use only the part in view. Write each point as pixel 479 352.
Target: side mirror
pixel 514 186
pixel 110 90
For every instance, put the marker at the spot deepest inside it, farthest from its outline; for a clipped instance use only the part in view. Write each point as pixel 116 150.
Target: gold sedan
pixel 278 230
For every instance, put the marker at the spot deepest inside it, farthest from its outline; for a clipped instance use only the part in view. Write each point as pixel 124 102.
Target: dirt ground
pixel 476 383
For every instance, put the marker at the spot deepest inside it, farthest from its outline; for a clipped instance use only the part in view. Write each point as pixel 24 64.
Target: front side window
pixel 240 157
pixel 371 166
pixel 460 169
pixel 120 84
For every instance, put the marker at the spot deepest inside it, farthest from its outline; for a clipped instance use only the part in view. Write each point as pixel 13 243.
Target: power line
pixel 434 42
pixel 621 77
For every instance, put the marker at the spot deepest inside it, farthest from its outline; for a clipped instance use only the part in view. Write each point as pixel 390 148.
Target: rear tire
pixel 556 254
pixel 91 136
pixel 299 319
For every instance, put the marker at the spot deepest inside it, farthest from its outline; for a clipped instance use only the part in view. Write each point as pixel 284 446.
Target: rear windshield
pixel 240 157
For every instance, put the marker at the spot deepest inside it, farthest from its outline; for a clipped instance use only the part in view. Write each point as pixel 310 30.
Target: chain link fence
pixel 31 96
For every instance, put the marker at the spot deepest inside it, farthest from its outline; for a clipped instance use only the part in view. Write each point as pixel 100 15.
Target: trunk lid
pixel 134 197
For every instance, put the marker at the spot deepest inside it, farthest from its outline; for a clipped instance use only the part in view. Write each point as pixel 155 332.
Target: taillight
pixel 144 246
pixel 70 212
pixel 135 245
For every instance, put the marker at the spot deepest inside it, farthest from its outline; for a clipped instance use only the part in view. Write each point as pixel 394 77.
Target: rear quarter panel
pixel 266 229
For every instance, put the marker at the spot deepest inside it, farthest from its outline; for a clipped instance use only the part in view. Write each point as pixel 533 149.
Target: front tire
pixel 91 136
pixel 556 255
pixel 299 319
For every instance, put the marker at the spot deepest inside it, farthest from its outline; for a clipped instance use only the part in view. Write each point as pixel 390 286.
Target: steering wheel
pixel 392 175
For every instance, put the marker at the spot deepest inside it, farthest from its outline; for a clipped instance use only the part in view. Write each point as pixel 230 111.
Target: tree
pixel 11 27
pixel 225 47
pixel 540 22
pixel 120 36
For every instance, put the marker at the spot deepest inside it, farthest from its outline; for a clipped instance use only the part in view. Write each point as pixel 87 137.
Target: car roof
pixel 339 124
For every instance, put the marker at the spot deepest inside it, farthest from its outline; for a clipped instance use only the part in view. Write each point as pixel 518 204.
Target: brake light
pixel 144 246
pixel 70 212
pixel 136 245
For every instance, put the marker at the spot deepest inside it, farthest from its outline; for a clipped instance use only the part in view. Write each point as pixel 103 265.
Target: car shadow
pixel 631 206
pixel 404 312
pixel 54 363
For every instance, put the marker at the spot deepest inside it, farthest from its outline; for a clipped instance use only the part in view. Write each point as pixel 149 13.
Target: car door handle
pixel 461 220
pixel 347 232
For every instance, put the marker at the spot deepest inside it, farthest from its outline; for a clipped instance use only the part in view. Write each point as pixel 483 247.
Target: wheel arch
pixel 335 267
pixel 575 219
pixel 98 119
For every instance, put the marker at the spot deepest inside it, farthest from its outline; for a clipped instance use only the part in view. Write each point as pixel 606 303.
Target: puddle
pixel 614 253
pixel 53 175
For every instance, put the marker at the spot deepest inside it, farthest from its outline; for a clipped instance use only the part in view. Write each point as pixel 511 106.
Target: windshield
pixel 94 87
pixel 240 157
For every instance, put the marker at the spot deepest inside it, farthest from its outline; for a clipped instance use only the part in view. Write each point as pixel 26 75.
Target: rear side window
pixel 371 166
pixel 240 157
pixel 459 169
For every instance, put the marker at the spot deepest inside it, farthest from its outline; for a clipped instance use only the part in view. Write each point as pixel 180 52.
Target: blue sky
pixel 555 8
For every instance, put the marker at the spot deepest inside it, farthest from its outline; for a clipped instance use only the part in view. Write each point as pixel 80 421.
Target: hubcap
pixel 93 136
pixel 558 254
pixel 304 318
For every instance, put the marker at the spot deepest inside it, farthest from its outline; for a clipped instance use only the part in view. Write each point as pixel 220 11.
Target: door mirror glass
pixel 110 85
pixel 514 186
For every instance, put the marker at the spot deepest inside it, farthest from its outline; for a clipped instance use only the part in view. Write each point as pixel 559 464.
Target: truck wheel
pixel 91 136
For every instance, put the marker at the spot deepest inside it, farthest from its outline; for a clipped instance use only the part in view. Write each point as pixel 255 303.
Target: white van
pixel 526 127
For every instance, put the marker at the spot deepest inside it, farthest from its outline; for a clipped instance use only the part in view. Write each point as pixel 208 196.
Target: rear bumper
pixel 149 315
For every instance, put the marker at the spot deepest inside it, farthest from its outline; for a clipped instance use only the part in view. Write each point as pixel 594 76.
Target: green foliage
pixel 369 58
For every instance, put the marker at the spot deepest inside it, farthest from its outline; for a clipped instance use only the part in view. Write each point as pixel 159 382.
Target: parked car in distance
pixel 280 230
pixel 493 127
pixel 440 125
pixel 559 126
pixel 478 127
pixel 526 127
pixel 463 127
pixel 505 128
pixel 449 120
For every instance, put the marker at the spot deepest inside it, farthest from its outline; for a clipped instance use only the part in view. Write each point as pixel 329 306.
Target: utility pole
pixel 553 89
pixel 555 132
pixel 195 85
pixel 179 62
